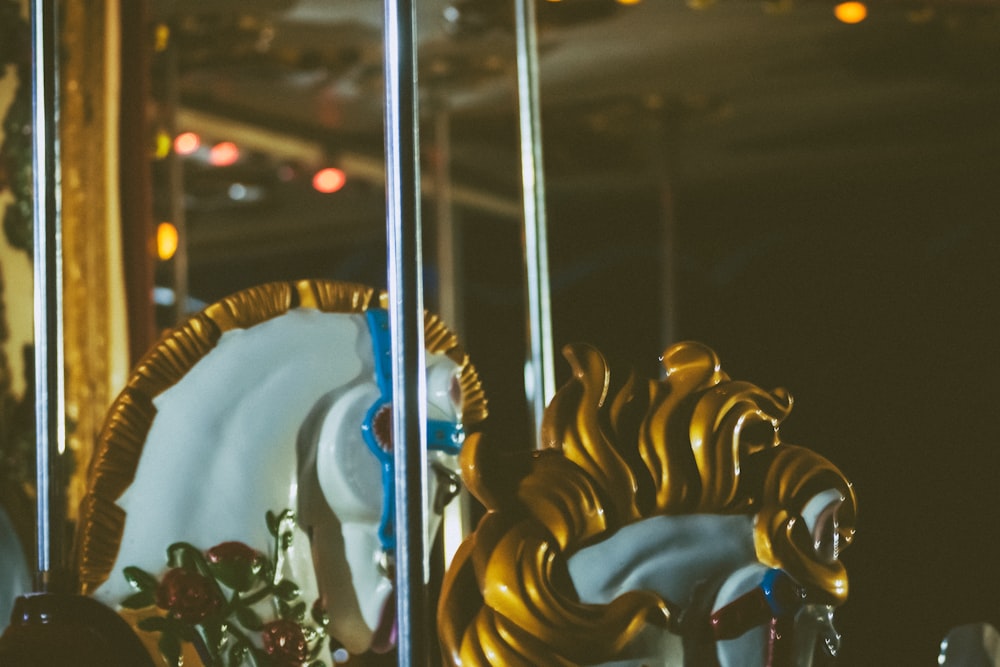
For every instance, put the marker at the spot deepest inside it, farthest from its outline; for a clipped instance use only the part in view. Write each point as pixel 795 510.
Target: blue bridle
pixel 442 435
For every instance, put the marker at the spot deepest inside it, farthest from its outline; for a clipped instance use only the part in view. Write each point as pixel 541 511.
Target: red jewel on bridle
pixel 382 427
pixel 774 603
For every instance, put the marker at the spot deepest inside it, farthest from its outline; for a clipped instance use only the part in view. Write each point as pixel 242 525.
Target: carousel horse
pixel 661 522
pixel 246 471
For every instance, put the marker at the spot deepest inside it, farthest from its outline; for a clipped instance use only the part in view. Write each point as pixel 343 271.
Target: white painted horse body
pixel 242 433
pixel 684 558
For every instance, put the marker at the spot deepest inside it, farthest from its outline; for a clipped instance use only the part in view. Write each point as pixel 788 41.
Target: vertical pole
pixel 539 370
pixel 456 520
pixel 50 430
pixel 657 143
pixel 406 325
pixel 448 233
pixel 176 185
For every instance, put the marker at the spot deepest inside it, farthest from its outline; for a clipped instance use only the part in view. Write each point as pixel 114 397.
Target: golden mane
pixel 694 442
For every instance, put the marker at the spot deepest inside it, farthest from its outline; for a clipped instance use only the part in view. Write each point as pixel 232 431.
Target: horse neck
pixel 669 555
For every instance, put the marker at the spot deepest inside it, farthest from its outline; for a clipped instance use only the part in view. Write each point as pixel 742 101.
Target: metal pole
pixel 176 180
pixel 456 519
pixel 657 144
pixel 539 373
pixel 50 430
pixel 449 256
pixel 406 325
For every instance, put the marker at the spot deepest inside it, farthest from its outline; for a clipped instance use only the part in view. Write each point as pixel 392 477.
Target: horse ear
pixel 492 476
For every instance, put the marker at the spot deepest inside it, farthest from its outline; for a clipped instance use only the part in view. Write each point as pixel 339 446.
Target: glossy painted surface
pixel 662 523
pixel 260 417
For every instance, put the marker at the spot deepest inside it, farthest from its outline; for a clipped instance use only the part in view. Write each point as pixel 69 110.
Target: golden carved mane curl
pixel 695 442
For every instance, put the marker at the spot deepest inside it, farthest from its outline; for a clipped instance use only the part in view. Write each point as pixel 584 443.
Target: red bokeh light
pixel 329 180
pixel 186 143
pixel 224 154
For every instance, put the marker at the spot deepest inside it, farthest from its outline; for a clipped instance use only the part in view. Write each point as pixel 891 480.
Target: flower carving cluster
pixel 217 601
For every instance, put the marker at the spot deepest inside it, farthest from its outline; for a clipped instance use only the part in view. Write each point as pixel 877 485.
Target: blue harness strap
pixel 442 435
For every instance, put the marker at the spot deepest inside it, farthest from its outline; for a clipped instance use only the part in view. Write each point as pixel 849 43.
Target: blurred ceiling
pixel 735 87
pixel 757 78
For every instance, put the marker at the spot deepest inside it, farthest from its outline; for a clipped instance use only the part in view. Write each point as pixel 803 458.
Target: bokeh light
pixel 167 239
pixel 224 154
pixel 851 12
pixel 162 146
pixel 329 180
pixel 186 143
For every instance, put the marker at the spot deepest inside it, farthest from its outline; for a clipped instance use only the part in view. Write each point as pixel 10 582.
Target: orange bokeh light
pixel 224 154
pixel 186 143
pixel 167 240
pixel 851 12
pixel 329 180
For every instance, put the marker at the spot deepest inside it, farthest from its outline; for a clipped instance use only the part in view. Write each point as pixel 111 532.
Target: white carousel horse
pixel 291 413
pixel 662 523
pixel 677 556
pixel 15 578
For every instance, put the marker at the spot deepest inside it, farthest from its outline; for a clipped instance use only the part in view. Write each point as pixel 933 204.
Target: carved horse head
pixel 663 522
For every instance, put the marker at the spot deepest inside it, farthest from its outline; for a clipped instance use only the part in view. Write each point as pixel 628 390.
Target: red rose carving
pixel 285 642
pixel 236 552
pixel 235 564
pixel 188 596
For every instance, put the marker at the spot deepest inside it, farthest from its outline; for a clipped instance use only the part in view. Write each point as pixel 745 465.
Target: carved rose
pixel 188 596
pixel 235 564
pixel 285 643
pixel 236 552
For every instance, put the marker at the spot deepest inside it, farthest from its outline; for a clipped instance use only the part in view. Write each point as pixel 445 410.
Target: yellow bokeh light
pixel 166 240
pixel 851 12
pixel 629 2
pixel 161 37
pixel 163 144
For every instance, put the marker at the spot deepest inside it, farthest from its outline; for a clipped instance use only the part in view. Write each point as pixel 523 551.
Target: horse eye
pixel 455 393
pixel 449 486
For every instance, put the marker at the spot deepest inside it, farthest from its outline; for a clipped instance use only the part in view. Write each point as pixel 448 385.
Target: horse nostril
pixel 387 564
pixel 382 427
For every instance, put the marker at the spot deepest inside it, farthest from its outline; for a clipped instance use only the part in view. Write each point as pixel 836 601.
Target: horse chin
pixel 386 634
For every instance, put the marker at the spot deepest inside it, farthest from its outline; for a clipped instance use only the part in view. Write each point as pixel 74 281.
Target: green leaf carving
pixel 139 600
pixel 139 579
pixel 298 612
pixel 237 653
pixel 170 647
pixel 287 590
pixel 249 619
